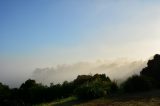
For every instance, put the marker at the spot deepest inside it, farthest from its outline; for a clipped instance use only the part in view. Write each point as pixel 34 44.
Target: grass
pixel 151 98
pixel 59 102
pixel 134 102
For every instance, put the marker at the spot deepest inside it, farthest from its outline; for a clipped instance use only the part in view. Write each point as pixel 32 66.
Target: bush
pixel 4 93
pixel 153 69
pixel 81 79
pixel 95 89
pixel 137 84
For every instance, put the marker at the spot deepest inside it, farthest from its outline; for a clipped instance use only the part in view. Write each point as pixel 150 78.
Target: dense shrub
pixel 153 69
pixel 95 89
pixel 4 91
pixel 101 77
pixel 67 88
pixel 137 84
pixel 81 79
pixel 5 94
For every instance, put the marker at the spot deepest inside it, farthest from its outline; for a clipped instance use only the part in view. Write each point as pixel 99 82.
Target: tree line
pixel 83 87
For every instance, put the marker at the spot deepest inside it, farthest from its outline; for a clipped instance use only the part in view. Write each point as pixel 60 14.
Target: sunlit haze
pixel 55 40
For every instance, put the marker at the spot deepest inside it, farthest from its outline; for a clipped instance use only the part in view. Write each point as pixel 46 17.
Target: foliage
pixel 84 87
pixel 96 88
pixel 4 93
pixel 137 84
pixel 82 79
pixel 153 69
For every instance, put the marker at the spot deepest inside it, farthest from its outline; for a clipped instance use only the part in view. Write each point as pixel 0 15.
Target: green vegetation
pixel 60 101
pixel 96 88
pixel 137 84
pixel 84 87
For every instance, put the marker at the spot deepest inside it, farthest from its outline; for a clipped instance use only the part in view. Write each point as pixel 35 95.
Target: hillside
pixel 151 98
pixel 90 90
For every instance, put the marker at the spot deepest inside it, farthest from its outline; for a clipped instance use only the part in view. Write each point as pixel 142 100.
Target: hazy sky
pixel 44 33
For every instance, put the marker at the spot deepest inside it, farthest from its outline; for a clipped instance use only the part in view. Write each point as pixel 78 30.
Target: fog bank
pixel 118 69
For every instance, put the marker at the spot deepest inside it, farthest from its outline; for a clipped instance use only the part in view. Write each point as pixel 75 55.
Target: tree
pixel 137 84
pixel 153 69
pixel 28 84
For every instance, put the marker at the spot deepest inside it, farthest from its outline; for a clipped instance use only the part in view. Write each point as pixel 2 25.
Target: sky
pixel 46 33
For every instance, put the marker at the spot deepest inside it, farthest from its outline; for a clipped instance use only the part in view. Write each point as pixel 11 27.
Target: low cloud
pixel 119 70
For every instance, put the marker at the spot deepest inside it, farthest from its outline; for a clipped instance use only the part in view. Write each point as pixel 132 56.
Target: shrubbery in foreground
pixel 138 84
pixel 84 87
pixel 96 88
pixel 148 78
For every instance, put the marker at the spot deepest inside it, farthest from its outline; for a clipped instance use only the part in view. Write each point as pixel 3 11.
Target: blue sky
pixel 27 26
pixel 42 33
